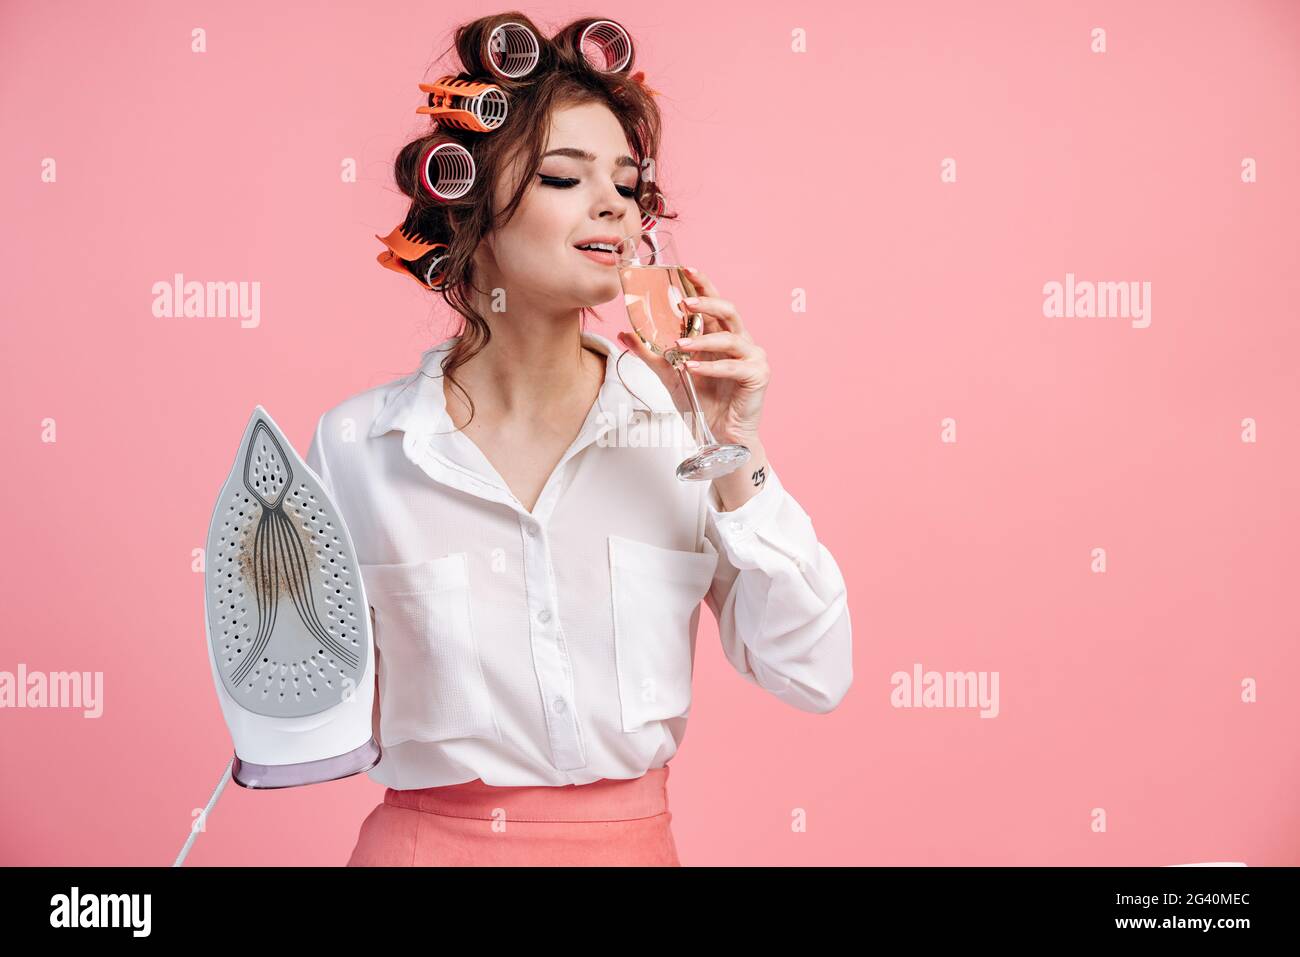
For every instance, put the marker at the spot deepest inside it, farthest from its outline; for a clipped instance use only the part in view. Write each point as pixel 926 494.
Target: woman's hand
pixel 729 369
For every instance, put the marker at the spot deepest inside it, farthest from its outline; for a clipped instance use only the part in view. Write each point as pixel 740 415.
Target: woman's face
pixel 575 198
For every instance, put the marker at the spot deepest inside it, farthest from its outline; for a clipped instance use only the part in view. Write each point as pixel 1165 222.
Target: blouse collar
pixel 417 403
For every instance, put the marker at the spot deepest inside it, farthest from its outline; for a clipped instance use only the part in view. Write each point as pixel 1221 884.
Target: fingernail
pixel 692 299
pixel 683 342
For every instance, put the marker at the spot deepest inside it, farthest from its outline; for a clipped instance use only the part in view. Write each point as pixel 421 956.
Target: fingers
pixel 632 343
pixel 636 345
pixel 714 306
pixel 700 281
pixel 722 368
pixel 725 342
pixel 722 311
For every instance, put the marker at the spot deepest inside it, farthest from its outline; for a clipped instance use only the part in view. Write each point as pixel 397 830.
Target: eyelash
pixel 567 182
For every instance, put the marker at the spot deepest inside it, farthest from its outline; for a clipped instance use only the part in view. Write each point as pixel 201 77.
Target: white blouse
pixel 556 646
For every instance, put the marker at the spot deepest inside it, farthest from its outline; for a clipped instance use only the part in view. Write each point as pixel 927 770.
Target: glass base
pixel 712 461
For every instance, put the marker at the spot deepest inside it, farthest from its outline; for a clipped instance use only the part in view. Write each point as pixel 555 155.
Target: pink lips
pixel 605 259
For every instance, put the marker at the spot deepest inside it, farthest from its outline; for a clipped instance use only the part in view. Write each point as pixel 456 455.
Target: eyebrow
pixel 590 157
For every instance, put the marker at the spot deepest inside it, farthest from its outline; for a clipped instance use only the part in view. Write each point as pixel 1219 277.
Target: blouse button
pixel 543 616
pixel 737 527
pixel 532 531
pixel 558 705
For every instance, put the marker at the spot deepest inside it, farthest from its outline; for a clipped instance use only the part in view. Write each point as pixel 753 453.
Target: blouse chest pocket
pixel 431 685
pixel 655 592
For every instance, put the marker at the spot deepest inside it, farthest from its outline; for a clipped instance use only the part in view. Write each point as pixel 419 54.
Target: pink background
pixel 818 171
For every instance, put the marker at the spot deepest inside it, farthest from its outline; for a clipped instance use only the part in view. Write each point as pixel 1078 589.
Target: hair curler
pixel 447 170
pixel 649 219
pixel 510 52
pixel 467 104
pixel 406 242
pixel 429 276
pixel 507 46
pixel 407 246
pixel 605 45
pixel 417 247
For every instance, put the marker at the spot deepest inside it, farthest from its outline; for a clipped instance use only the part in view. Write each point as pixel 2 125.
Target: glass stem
pixel 703 434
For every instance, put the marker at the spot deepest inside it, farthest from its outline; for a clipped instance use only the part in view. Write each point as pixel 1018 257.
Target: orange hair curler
pixel 432 277
pixel 468 104
pixel 405 246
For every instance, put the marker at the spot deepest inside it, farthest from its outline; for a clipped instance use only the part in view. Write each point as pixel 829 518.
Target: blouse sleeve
pixel 780 600
pixel 315 459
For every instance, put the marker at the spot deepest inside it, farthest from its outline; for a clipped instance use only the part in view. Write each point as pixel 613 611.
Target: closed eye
pixel 567 182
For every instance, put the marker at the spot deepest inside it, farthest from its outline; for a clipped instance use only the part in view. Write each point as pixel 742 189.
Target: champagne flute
pixel 654 287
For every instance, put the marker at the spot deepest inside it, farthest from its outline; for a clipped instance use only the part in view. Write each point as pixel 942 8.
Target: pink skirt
pixel 611 822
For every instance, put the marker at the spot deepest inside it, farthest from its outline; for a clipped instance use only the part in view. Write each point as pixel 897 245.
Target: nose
pixel 612 205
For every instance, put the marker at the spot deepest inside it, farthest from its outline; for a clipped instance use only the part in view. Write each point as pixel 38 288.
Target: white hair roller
pixel 606 46
pixel 447 171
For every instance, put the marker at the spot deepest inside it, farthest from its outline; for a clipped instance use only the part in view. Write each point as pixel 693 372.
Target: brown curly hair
pixel 563 76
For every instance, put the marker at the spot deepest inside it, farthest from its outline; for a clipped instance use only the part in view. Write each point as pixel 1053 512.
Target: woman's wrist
pixel 738 487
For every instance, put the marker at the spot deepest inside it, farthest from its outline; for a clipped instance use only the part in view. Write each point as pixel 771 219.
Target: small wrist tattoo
pixel 759 477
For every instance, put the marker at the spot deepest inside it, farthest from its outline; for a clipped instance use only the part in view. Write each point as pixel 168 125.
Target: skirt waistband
pixel 609 799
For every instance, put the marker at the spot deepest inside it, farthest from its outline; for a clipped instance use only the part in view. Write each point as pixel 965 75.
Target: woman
pixel 533 565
